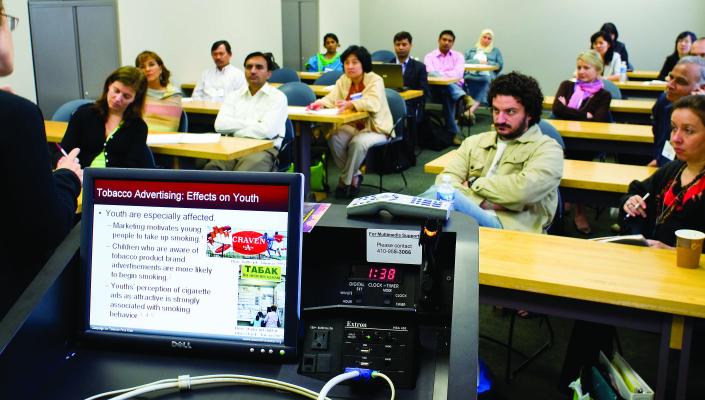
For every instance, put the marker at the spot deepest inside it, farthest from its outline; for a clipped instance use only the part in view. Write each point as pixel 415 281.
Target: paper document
pixel 192 138
pixel 324 111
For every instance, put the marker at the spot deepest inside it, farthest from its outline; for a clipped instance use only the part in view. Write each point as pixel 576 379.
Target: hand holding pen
pixel 636 205
pixel 70 161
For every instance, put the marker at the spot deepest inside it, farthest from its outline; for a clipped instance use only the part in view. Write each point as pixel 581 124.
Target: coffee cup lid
pixel 690 234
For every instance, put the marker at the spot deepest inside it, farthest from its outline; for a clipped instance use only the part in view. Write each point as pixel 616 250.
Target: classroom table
pixel 636 287
pixel 309 76
pixel 616 106
pixel 227 148
pixel 642 75
pixel 642 86
pixel 586 181
pixel 605 136
pixel 441 80
pixel 481 67
pixel 299 116
pixel 322 90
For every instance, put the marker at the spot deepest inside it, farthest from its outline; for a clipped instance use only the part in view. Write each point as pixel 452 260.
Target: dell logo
pixel 181 345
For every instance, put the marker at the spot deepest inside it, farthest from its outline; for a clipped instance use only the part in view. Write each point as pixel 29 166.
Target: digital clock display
pixel 376 273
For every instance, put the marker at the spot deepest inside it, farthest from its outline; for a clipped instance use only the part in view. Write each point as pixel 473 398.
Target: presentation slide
pixel 201 260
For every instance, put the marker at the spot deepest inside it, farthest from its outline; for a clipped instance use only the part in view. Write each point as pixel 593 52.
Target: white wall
pixel 22 80
pixel 182 31
pixel 539 37
pixel 341 17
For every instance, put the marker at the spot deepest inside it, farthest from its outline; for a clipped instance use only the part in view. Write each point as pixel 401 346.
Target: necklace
pixel 678 200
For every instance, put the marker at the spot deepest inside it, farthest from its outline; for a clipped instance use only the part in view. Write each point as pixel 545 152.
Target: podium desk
pixel 42 357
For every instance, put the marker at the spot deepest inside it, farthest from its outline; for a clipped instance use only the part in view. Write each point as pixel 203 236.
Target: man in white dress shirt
pixel 218 82
pixel 257 111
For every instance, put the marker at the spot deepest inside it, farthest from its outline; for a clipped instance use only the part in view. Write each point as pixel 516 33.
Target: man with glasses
pixel 257 111
pixel 687 77
pixel 39 204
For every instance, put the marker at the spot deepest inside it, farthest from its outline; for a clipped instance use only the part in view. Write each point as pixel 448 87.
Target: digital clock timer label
pixel 393 246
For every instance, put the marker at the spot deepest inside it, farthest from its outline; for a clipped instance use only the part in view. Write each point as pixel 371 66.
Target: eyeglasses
pixel 12 20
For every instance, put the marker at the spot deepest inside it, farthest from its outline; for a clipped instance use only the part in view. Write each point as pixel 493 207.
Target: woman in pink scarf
pixel 583 100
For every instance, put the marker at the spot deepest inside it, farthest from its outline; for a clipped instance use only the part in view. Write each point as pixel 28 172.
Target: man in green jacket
pixel 508 178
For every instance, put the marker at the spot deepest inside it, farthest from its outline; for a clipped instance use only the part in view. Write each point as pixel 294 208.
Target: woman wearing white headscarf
pixel 477 83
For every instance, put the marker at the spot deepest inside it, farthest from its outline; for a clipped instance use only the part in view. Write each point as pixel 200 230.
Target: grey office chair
pixel 66 110
pixel 328 78
pixel 284 75
pixel 383 56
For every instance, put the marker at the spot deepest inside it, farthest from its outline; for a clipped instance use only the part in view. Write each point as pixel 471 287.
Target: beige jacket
pixel 373 100
pixel 525 182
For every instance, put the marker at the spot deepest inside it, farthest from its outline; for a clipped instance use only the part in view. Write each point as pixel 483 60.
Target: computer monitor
pixel 193 260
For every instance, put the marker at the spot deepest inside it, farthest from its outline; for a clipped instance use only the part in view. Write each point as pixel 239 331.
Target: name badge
pixel 356 96
pixel 668 151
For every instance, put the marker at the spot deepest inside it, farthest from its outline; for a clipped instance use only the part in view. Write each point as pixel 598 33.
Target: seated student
pixel 684 41
pixel 328 61
pixel 508 178
pixel 698 48
pixel 619 47
pixel 687 77
pixel 39 205
pixel 218 82
pixel 357 89
pixel 583 100
pixel 162 110
pixel 111 132
pixel 478 82
pixel 676 189
pixel 257 111
pixel 602 42
pixel 448 63
pixel 414 72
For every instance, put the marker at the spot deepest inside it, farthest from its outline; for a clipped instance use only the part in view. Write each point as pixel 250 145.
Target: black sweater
pixel 126 148
pixel 39 205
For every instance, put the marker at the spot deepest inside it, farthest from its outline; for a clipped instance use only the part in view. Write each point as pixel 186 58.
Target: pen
pixel 58 146
pixel 646 196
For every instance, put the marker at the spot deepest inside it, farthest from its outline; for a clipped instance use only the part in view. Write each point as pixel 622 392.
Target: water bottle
pixel 445 190
pixel 623 71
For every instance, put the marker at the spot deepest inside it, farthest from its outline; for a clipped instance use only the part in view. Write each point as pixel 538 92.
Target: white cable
pixel 386 378
pixel 184 381
pixel 336 380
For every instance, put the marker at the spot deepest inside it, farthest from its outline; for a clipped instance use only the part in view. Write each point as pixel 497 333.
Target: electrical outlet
pixel 320 340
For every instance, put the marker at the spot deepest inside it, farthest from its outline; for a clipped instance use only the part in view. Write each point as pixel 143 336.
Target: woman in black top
pixel 683 42
pixel 618 46
pixel 111 132
pixel 676 190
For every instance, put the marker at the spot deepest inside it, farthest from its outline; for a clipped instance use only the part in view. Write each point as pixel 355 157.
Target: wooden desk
pixel 637 287
pixel 309 76
pixel 603 136
pixel 322 90
pixel 481 67
pixel 644 75
pixel 441 80
pixel 616 106
pixel 641 86
pixel 228 148
pixel 201 107
pixel 588 181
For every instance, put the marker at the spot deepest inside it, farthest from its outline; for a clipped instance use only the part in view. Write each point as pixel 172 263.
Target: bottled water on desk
pixel 623 71
pixel 445 190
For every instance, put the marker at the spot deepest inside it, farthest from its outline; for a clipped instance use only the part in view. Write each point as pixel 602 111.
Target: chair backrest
pixel 183 122
pixel 382 55
pixel 286 152
pixel 329 78
pixel 397 106
pixel 67 109
pixel 613 89
pixel 298 94
pixel 149 157
pixel 284 75
pixel 550 131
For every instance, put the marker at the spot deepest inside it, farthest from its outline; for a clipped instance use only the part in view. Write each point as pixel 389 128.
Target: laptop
pixel 392 75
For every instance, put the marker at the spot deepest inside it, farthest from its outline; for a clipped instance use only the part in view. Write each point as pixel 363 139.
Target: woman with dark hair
pixel 684 41
pixel 676 190
pixel 162 111
pixel 602 43
pixel 39 204
pixel 111 132
pixel 328 61
pixel 358 89
pixel 618 46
